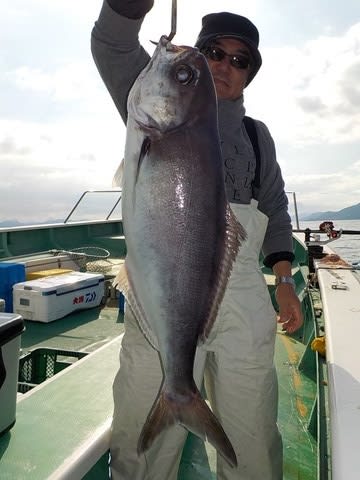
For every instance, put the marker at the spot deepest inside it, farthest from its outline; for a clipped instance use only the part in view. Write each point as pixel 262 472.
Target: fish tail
pixel 192 412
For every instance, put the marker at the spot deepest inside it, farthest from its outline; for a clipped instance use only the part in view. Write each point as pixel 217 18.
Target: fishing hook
pixel 173 20
pixel 173 23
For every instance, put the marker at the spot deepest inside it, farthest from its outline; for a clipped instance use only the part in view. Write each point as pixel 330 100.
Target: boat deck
pixel 62 425
pixel 82 331
pixel 93 331
pixel 49 409
pixel 297 392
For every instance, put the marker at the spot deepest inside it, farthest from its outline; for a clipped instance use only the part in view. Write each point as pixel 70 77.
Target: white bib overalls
pixel 236 363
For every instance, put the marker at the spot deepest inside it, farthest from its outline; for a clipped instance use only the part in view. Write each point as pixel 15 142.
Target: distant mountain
pixel 348 213
pixel 10 223
pixel 16 223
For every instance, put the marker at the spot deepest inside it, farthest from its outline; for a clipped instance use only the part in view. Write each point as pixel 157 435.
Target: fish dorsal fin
pixel 121 282
pixel 234 236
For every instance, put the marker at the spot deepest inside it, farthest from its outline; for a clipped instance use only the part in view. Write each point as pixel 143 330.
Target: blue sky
pixel 60 133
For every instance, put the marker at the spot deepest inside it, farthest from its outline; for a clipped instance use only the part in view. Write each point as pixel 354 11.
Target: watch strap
pixel 284 279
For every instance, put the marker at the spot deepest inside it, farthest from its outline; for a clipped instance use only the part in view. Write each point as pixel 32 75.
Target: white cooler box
pixel 49 298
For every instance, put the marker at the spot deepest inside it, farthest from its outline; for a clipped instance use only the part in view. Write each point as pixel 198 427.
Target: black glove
pixel 131 8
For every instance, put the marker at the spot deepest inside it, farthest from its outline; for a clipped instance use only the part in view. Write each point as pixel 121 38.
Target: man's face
pixel 229 80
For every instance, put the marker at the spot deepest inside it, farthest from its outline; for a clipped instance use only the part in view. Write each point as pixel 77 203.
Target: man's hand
pixel 289 308
pixel 131 8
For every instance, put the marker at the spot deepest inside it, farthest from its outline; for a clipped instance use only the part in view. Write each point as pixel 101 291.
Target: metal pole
pixel 296 211
pixel 295 208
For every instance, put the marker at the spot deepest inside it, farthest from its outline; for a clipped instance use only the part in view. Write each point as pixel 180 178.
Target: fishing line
pixel 146 463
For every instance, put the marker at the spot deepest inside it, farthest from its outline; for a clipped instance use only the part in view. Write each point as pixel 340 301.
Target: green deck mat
pixel 297 393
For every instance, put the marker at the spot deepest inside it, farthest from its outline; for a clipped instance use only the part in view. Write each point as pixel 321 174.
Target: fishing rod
pixel 173 20
pixel 344 232
pixel 326 227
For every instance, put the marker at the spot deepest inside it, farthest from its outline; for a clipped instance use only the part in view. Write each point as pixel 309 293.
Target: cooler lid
pixel 61 283
pixel 11 325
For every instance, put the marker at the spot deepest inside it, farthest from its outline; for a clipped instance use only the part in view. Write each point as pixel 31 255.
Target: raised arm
pixel 115 46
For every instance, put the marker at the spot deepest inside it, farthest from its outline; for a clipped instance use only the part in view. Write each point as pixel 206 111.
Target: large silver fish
pixel 180 233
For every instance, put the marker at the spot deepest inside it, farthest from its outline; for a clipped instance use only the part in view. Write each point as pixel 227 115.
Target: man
pixel 236 361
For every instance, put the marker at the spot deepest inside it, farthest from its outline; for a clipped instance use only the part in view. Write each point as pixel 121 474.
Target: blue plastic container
pixel 10 273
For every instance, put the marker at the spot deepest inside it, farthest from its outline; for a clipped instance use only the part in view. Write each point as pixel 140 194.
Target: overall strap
pixel 252 133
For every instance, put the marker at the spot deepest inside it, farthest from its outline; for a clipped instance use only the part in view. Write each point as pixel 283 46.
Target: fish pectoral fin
pixel 193 414
pixel 145 147
pixel 117 180
pixel 234 237
pixel 122 283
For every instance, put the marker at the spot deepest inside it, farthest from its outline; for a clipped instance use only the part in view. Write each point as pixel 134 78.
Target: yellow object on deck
pixel 47 273
pixel 319 345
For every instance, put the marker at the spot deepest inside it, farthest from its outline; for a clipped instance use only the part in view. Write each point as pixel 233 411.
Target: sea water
pixel 347 246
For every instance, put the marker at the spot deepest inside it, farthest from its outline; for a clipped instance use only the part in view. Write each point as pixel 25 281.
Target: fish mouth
pixel 154 130
pixel 165 43
pixel 170 47
pixel 150 129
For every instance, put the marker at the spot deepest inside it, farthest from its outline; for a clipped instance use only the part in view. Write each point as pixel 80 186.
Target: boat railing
pixel 118 200
pixel 118 195
pixel 295 208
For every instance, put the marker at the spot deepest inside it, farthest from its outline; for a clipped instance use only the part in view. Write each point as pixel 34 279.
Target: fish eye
pixel 184 74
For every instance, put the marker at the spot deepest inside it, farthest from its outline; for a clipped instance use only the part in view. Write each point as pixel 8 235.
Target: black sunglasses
pixel 217 54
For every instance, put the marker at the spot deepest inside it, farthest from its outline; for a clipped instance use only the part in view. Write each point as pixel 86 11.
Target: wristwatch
pixel 284 279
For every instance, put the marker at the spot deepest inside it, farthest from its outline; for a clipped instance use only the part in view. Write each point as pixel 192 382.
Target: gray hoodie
pixel 119 58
